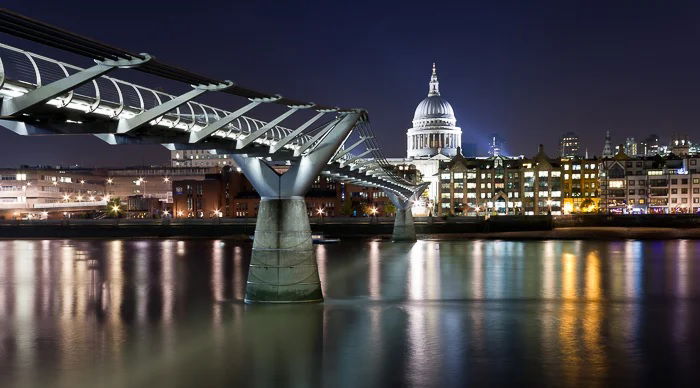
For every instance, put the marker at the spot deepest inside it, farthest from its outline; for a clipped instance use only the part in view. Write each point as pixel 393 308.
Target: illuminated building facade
pixel 500 185
pixel 654 185
pixel 580 187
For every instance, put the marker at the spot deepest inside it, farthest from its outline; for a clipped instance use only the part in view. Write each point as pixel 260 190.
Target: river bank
pixel 582 233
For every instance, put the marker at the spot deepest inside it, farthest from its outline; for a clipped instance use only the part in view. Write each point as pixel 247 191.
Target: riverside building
pixel 579 183
pixel 650 185
pixel 500 185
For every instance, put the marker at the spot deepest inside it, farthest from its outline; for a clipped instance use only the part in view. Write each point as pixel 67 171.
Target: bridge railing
pixel 22 71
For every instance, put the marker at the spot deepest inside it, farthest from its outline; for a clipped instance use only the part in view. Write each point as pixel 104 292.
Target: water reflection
pixel 433 313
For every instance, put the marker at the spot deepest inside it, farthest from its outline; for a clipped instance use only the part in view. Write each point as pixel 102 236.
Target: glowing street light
pixel 180 213
pixel 92 198
pixel 110 181
pixel 166 213
pixel 166 179
pixel 66 197
pixel 44 214
pixel 319 211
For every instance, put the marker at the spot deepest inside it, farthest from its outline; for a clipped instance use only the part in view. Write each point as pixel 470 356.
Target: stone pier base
pixel 283 267
pixel 404 229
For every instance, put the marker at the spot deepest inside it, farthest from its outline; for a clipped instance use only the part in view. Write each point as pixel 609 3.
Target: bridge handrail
pixel 243 125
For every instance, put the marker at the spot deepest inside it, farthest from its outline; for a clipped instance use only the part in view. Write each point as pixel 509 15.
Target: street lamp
pixel 140 182
pixel 373 210
pixel 166 179
pixel 180 213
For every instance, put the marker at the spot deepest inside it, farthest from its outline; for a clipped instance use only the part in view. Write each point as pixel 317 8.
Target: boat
pixel 321 239
pixel 316 238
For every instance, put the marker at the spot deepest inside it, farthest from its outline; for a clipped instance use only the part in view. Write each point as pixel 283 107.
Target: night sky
pixel 527 70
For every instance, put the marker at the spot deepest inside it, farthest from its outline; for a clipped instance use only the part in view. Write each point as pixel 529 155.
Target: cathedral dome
pixel 435 131
pixel 434 109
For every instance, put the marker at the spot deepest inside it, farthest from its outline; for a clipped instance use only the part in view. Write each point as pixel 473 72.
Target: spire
pixel 607 147
pixel 434 84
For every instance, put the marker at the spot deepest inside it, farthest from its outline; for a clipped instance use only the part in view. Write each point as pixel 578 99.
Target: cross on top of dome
pixel 434 84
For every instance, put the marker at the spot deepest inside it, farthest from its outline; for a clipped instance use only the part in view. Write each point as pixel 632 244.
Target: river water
pixel 151 313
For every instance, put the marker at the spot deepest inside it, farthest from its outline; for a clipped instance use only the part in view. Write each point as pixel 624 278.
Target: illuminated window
pixel 543 174
pixel 459 175
pixel 617 184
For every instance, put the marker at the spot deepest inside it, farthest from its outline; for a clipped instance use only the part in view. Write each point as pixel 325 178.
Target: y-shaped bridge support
pixel 404 228
pixel 283 267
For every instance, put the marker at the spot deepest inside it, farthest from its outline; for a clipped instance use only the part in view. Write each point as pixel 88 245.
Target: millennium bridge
pixel 44 96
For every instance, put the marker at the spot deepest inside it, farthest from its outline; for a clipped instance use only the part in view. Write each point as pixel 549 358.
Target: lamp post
pixel 320 213
pixel 374 212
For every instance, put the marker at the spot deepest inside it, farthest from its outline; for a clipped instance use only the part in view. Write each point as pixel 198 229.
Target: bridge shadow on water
pixel 85 313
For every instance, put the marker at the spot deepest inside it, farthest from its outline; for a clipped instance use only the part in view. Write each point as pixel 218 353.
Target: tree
pixel 114 207
pixel 587 205
pixel 389 208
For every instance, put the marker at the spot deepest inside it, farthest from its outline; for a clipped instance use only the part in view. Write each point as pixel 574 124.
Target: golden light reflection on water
pixel 375 276
pixel 576 306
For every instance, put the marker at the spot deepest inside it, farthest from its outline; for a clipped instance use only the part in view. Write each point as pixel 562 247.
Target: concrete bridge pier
pixel 404 229
pixel 283 267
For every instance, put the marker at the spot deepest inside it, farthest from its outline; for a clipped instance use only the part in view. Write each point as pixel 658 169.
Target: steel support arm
pixel 215 126
pixel 342 153
pixel 347 162
pixel 246 140
pixel 285 140
pixel 316 137
pixel 299 177
pixel 42 94
pixel 128 125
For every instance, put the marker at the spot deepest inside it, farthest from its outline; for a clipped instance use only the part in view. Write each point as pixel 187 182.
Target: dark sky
pixel 527 70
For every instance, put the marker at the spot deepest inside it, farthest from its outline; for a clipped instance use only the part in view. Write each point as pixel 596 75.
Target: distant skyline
pixel 529 71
